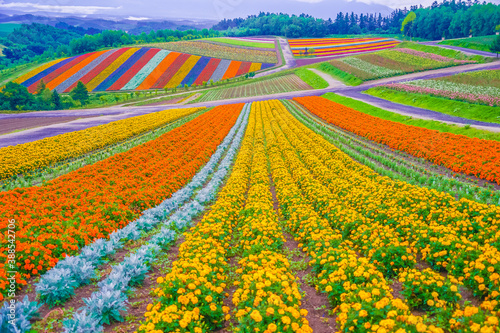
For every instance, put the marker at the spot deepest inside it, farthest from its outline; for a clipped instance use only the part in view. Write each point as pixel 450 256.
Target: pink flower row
pixel 463 96
pixel 432 56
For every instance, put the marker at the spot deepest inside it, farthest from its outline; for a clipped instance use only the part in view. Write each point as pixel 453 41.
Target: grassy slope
pixel 439 104
pixel 241 43
pixel 12 73
pixel 311 78
pixel 333 71
pixel 475 43
pixel 429 124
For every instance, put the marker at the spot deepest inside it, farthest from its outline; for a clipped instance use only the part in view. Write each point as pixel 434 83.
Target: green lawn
pixel 311 78
pixel 241 43
pixel 429 124
pixel 439 104
pixel 475 43
pixel 336 73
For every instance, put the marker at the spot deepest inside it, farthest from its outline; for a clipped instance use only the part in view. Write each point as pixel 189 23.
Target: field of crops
pixel 323 47
pixel 298 215
pixel 265 43
pixel 393 62
pixel 281 84
pixel 135 69
pixel 231 52
pixel 482 87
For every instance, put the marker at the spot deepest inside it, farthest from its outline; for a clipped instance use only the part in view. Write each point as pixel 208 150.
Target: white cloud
pixel 133 18
pixel 31 7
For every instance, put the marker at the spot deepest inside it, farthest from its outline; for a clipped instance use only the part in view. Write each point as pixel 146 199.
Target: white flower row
pixel 59 283
pixel 105 305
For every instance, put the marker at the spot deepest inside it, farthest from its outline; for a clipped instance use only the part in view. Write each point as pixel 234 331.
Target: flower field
pixel 324 47
pixel 240 218
pixel 29 157
pixel 135 69
pixel 109 193
pixel 281 84
pixel 254 42
pixel 480 87
pixel 397 61
pixel 459 153
pixel 226 51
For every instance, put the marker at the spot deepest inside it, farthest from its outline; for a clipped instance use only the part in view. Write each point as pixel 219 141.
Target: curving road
pixel 106 115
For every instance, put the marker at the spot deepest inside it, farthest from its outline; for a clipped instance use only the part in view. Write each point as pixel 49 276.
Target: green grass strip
pixel 475 43
pixel 311 78
pixel 345 77
pixel 429 124
pixel 439 104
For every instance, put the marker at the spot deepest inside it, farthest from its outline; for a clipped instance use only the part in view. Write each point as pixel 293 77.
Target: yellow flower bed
pixel 190 296
pixel 268 297
pixel 27 157
pixel 304 188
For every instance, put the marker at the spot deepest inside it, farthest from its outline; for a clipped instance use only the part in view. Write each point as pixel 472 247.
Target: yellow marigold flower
pixel 255 315
pixel 286 320
pixel 363 313
pixel 430 302
pixel 159 280
pixel 272 327
pixel 470 311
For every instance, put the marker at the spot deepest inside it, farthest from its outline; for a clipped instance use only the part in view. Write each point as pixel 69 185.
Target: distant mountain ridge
pixel 134 27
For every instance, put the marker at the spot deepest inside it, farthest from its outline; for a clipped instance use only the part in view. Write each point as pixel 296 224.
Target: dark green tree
pixel 56 100
pixel 16 97
pixel 80 93
pixel 40 87
pixel 495 46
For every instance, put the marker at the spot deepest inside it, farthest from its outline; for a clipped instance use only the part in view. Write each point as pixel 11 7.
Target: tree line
pixel 40 42
pixel 449 19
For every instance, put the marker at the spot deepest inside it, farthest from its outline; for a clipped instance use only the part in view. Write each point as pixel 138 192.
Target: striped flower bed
pixel 324 47
pixel 135 69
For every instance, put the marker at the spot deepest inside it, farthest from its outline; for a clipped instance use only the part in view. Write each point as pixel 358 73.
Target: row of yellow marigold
pixel 354 284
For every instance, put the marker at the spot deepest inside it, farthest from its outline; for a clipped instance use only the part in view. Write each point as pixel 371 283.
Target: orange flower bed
pixel 65 214
pixel 459 153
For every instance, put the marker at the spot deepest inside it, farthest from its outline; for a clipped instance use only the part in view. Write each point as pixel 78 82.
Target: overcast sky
pixel 210 9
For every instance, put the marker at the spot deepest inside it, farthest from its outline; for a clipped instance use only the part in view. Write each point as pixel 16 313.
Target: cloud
pixel 133 18
pixel 31 7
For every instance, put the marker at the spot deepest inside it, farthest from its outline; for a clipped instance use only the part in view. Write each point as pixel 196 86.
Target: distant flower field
pixel 323 47
pixel 480 87
pixel 208 48
pixel 136 68
pixel 388 63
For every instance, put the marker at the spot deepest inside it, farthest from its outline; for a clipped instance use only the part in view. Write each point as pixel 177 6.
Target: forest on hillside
pixel 451 19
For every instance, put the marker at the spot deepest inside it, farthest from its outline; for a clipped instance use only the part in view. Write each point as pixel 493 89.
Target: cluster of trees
pixel 451 19
pixel 39 42
pixel 455 19
pixel 16 97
